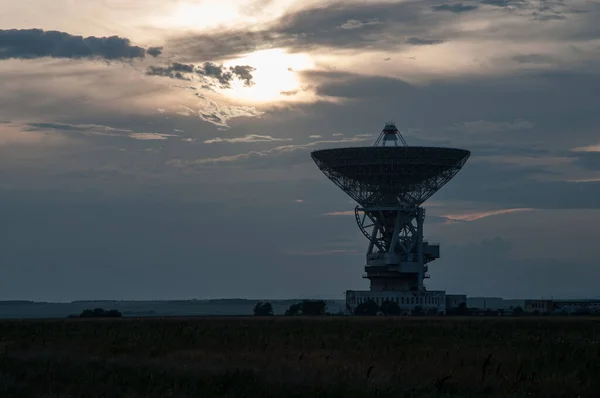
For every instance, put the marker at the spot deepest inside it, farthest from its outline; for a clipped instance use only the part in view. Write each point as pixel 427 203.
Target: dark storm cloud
pixel 382 26
pixel 548 17
pixel 175 71
pixel 505 3
pixel 542 10
pixel 519 186
pixel 154 51
pixel 545 97
pixel 244 73
pixel 218 72
pixel 454 8
pixel 588 160
pixel 533 58
pixel 37 43
pixel 415 41
pixel 360 26
pixel 224 75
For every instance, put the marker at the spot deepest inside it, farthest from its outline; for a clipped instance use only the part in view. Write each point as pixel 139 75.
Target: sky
pixel 160 149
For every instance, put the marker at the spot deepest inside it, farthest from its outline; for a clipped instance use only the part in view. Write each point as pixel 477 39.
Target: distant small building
pixel 494 303
pixel 539 306
pixel 577 305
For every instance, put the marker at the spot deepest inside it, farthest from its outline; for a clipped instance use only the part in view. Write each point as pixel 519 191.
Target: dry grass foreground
pixel 301 357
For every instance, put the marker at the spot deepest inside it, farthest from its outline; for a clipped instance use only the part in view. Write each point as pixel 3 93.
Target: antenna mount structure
pixel 390 181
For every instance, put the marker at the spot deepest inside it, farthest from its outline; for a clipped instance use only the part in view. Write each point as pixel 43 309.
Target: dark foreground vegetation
pixel 98 313
pixel 301 357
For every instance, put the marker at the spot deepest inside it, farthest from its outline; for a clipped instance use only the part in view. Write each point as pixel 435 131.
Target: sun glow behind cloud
pixel 202 15
pixel 275 76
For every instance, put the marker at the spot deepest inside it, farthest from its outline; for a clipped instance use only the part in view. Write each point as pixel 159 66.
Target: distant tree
pixel 114 314
pixel 100 313
pixel 367 308
pixel 582 311
pixel 263 309
pixel 294 309
pixel 390 308
pixel 433 311
pixel 418 311
pixel 462 309
pixel 313 307
pixel 518 311
pixel 488 312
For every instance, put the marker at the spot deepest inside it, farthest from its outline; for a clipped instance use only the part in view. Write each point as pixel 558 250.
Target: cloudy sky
pixel 156 149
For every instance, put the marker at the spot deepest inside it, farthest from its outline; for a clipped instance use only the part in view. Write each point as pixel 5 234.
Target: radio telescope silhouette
pixel 390 181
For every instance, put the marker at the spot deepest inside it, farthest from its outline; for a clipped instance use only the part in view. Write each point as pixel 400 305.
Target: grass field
pixel 301 357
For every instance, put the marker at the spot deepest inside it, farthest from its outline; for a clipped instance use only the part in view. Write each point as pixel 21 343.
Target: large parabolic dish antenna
pixel 380 175
pixel 390 181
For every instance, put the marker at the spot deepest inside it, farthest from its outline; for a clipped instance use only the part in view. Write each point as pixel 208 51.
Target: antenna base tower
pixel 390 181
pixel 397 255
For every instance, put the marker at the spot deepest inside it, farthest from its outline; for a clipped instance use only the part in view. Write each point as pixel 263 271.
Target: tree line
pixel 303 308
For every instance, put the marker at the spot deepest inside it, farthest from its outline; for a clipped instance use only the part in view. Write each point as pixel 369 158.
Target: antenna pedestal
pixel 397 256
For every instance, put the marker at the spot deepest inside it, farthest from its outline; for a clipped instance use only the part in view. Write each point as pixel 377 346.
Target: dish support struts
pixel 397 254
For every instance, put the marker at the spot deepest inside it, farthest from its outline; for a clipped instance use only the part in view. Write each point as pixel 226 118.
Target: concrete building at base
pixel 428 300
pixel 440 302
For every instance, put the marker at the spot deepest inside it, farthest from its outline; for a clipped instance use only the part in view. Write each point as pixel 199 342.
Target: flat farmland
pixel 301 357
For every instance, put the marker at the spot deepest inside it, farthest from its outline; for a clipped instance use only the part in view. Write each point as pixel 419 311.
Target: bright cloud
pixel 279 150
pixel 477 215
pixel 14 134
pixel 151 136
pixel 588 148
pixel 354 24
pixel 246 139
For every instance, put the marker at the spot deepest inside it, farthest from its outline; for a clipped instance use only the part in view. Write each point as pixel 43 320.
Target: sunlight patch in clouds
pixel 16 134
pixel 473 216
pixel 219 114
pixel 275 77
pixel 247 139
pixel 355 24
pixel 584 180
pixel 282 149
pixel 588 148
pixel 151 136
pixel 340 213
